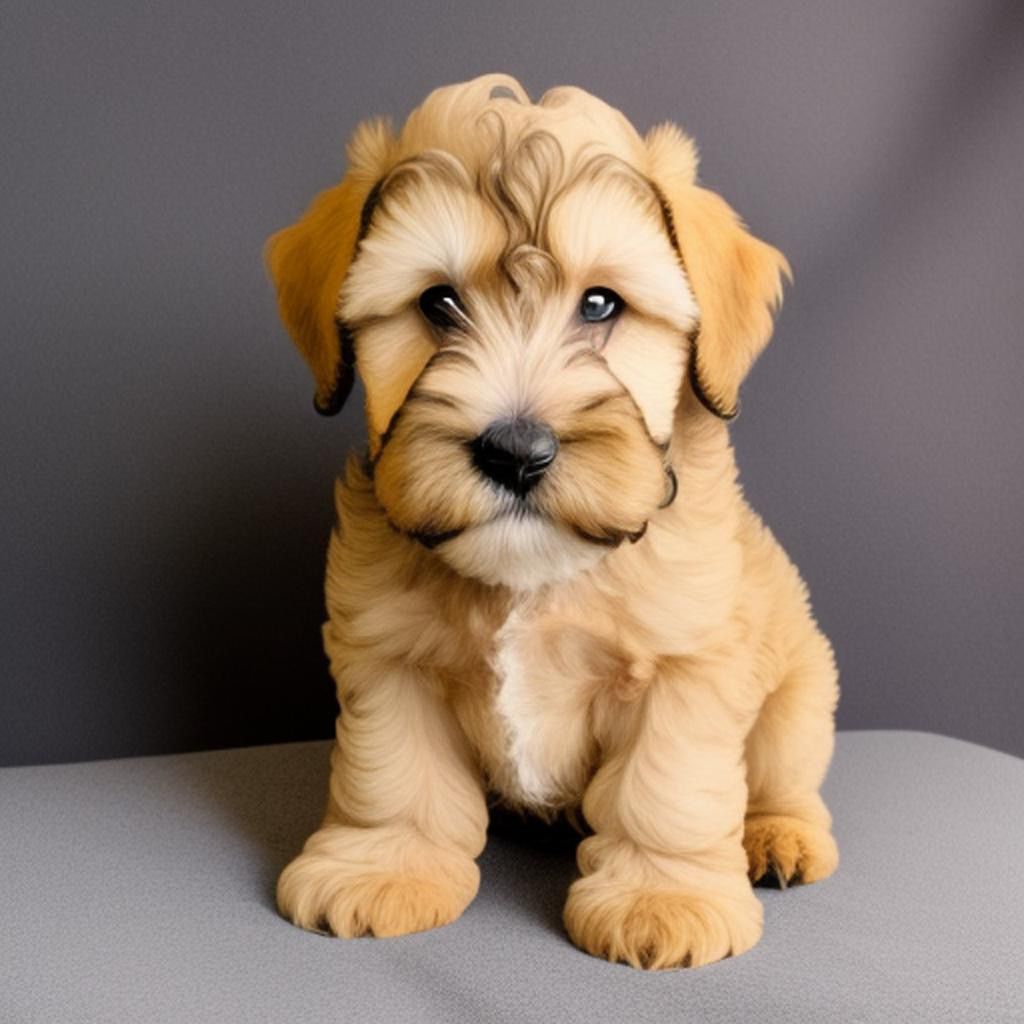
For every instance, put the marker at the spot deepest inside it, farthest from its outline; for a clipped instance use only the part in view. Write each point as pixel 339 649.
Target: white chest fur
pixel 542 707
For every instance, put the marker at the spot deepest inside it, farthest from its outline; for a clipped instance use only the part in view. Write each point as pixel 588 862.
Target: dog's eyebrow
pixel 602 166
pixel 432 165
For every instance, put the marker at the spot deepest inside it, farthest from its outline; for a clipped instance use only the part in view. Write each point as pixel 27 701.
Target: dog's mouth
pixel 610 538
pixel 430 539
pixel 523 510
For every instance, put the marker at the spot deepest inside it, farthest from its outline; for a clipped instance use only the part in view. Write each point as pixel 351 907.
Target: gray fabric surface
pixel 141 890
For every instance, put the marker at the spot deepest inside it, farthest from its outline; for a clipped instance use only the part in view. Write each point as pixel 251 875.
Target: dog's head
pixel 526 290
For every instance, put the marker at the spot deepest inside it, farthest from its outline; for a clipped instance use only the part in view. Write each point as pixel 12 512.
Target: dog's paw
pixel 790 849
pixel 658 928
pixel 350 882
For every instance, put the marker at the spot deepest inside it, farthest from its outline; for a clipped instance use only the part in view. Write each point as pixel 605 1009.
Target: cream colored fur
pixel 673 685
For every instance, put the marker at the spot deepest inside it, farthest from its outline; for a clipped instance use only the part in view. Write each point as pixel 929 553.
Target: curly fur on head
pixel 621 635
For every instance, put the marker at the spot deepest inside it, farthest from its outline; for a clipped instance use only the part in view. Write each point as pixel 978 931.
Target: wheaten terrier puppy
pixel 544 582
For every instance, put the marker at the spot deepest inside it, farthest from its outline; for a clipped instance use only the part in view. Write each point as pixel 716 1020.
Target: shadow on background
pixel 243 653
pixel 537 865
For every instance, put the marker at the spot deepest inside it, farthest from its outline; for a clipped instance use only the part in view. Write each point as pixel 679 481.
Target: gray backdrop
pixel 167 486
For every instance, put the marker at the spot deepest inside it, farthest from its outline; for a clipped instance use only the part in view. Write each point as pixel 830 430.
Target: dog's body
pixel 545 581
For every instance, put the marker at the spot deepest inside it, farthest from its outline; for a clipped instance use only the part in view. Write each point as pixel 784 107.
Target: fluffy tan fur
pixel 652 662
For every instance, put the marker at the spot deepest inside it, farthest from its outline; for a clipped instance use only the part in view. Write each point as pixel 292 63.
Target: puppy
pixel 544 582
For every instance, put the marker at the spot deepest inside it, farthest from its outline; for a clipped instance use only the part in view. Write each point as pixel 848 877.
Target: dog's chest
pixel 541 748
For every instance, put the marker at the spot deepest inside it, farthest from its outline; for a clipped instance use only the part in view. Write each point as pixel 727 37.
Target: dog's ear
pixel 736 278
pixel 309 260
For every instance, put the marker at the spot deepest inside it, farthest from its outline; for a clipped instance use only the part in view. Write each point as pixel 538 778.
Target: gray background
pixel 166 497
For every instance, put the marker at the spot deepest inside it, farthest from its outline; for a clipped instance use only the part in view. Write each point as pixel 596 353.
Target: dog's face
pixel 520 287
pixel 519 331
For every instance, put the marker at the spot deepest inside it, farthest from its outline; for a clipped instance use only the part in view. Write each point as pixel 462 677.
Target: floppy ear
pixel 736 278
pixel 309 260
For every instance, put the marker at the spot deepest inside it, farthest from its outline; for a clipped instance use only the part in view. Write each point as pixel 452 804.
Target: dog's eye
pixel 442 306
pixel 600 304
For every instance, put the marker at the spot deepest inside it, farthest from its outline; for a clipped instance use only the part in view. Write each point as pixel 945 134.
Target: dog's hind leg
pixel 787 828
pixel 405 820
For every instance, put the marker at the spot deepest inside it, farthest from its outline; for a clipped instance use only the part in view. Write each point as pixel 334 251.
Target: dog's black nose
pixel 515 453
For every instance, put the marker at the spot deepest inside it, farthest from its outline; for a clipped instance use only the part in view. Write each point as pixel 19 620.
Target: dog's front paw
pixel 791 849
pixel 657 928
pixel 369 881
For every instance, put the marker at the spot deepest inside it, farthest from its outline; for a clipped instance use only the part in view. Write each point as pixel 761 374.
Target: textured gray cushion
pixel 141 890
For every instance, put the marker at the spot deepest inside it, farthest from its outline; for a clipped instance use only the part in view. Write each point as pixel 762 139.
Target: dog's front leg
pixel 665 875
pixel 405 819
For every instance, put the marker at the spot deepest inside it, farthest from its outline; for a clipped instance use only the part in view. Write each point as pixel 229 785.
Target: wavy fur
pixel 654 663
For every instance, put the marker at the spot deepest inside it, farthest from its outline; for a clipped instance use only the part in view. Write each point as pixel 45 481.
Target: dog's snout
pixel 515 453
